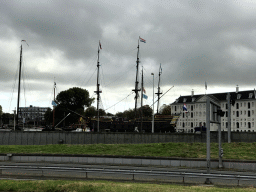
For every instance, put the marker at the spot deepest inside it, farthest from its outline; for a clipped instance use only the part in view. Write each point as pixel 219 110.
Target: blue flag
pixel 145 96
pixel 53 103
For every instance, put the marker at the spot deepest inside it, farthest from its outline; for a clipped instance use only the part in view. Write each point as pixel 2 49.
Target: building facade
pixel 32 114
pixel 243 117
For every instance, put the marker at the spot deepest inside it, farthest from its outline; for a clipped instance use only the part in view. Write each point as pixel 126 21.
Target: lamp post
pixel 153 106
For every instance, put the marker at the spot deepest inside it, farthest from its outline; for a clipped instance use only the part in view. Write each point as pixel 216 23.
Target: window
pixel 238 96
pixel 233 112
pixel 183 115
pixel 237 105
pixel 245 112
pixel 191 114
pixel 244 124
pixel 249 105
pixel 192 107
pixel 237 114
pixel 226 124
pixel 175 108
pixel 191 124
pixel 250 95
pixel 184 100
pixel 183 124
pixel 226 113
pixel 249 113
pixel 237 125
pixel 241 112
pixel 249 124
pixel 241 104
pixel 226 106
pixel 252 112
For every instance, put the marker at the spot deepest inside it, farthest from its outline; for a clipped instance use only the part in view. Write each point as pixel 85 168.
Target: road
pixel 126 173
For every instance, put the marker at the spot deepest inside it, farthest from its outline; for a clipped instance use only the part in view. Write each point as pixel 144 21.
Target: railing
pixel 44 171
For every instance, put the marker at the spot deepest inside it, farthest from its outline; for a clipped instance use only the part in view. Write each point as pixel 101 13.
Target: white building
pixel 32 113
pixel 242 112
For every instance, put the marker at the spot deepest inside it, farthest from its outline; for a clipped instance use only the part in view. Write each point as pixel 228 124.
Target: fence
pixel 43 138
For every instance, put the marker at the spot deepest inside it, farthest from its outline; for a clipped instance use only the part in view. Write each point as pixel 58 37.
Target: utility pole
pixel 98 89
pixel 141 108
pixel 158 89
pixel 229 118
pixel 153 116
pixel 208 142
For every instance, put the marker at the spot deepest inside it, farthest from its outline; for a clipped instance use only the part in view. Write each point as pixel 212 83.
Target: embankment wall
pixel 44 138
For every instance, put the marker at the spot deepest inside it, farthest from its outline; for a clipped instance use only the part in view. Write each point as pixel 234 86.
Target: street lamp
pixel 153 105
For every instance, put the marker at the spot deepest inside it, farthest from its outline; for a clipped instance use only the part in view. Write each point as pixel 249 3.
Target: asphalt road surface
pixel 126 173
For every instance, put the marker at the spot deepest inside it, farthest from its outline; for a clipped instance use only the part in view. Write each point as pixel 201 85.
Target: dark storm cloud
pixel 195 41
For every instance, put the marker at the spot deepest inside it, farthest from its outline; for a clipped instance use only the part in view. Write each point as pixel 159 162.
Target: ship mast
pixel 136 90
pixel 158 89
pixel 18 102
pixel 98 89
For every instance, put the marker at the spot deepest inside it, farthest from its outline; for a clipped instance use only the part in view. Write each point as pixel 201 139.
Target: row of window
pixel 237 124
pixel 241 113
pixel 240 104
pixel 191 124
pixel 189 107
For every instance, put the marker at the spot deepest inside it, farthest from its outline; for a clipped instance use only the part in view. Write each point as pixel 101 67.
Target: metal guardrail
pixel 131 172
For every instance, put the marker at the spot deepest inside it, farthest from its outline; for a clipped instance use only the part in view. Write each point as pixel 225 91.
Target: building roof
pixel 240 95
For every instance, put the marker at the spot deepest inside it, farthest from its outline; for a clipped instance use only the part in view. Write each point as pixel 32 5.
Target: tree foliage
pixel 74 99
pixel 146 111
pixel 1 111
pixel 165 110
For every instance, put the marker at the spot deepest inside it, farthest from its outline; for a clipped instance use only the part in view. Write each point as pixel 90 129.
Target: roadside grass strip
pixel 238 151
pixel 99 186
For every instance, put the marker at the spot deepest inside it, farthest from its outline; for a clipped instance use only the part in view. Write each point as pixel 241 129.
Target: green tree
pixel 146 110
pixel 91 111
pixel 48 116
pixel 74 99
pixel 1 113
pixel 165 110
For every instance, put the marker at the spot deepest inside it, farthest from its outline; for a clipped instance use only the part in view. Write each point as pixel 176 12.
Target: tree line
pixel 77 102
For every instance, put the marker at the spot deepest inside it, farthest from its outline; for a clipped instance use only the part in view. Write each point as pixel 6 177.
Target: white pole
pixel 153 106
pixel 14 112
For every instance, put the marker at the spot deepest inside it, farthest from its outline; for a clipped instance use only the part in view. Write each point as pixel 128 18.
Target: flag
pixel 145 96
pixel 142 40
pixel 205 85
pixel 100 45
pixel 185 107
pixel 144 90
pixel 53 103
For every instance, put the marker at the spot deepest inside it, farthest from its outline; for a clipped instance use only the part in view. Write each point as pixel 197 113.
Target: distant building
pixel 243 116
pixel 32 114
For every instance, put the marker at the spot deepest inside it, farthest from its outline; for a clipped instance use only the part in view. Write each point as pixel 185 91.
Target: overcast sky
pixel 196 41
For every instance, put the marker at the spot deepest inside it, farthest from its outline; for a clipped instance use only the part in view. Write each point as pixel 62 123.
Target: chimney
pixel 237 89
pixel 192 93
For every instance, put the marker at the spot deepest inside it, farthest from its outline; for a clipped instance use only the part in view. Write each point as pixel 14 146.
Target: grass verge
pixel 98 186
pixel 239 151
